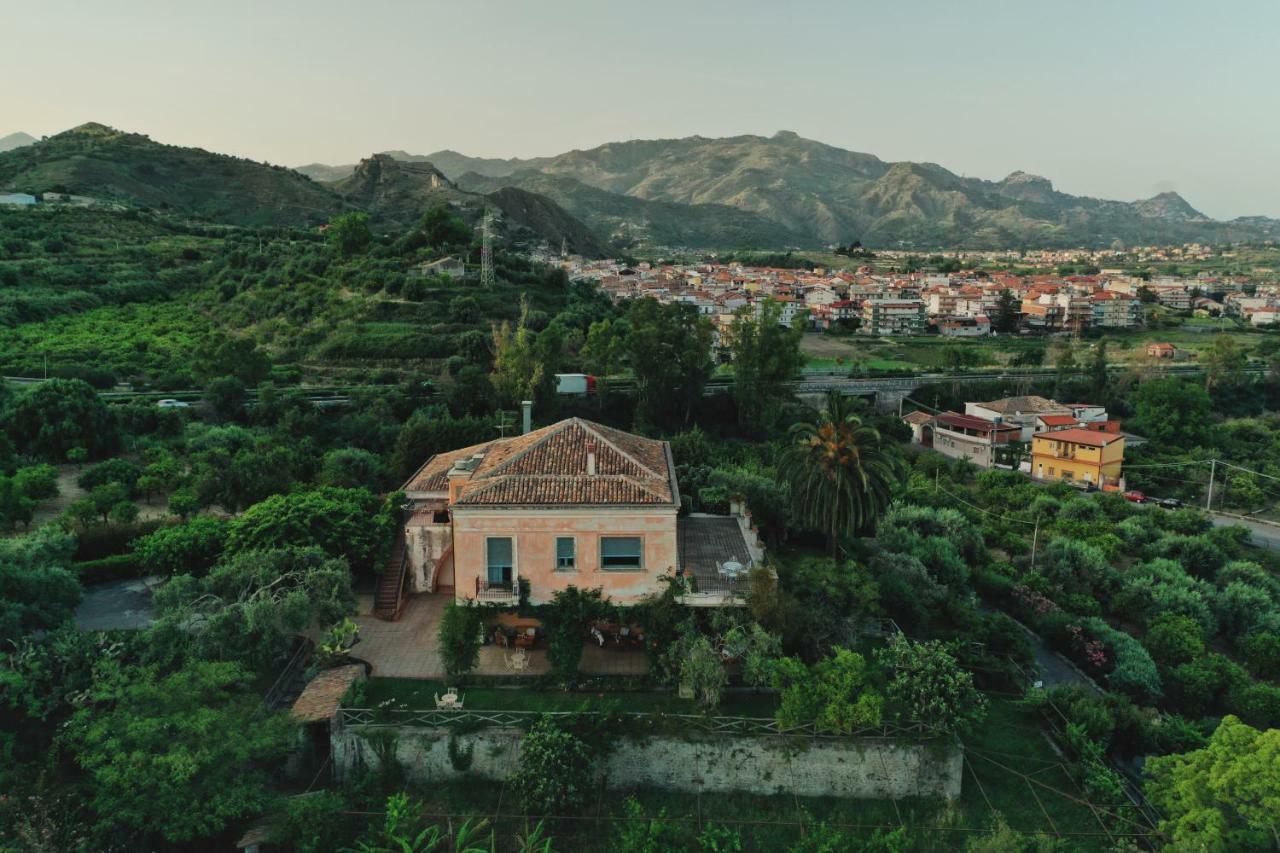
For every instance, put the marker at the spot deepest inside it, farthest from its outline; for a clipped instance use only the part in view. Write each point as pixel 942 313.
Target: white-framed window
pixel 621 553
pixel 499 558
pixel 566 554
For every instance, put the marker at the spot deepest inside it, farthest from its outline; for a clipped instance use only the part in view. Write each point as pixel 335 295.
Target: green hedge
pixel 113 568
pixel 108 540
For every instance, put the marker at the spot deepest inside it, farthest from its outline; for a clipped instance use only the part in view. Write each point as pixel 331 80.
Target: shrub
pixel 556 772
pixel 1076 566
pixel 113 568
pixel 1135 673
pixel 1201 685
pixel 1197 554
pixel 1257 704
pixel 106 540
pixel 928 685
pixel 836 694
pixel 1174 638
pixel 1240 607
pixel 189 548
pixel 568 616
pixel 1261 654
pixel 459 637
pixel 120 471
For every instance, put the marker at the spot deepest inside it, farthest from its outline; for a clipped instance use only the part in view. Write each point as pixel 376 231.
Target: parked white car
pixel 172 404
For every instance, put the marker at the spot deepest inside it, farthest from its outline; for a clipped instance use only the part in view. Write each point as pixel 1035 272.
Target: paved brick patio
pixel 408 648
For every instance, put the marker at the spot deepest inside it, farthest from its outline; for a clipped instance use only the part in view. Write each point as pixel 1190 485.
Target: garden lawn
pixel 418 695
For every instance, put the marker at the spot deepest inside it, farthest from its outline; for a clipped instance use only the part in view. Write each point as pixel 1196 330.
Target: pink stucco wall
pixel 534 534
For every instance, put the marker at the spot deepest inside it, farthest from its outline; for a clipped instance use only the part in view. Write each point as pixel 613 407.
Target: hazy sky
pixel 1117 99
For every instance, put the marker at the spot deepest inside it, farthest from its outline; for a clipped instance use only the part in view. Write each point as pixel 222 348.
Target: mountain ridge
pixel 819 192
pixel 15 140
pixel 131 169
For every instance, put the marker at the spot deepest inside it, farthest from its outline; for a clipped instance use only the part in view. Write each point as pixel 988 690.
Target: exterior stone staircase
pixel 388 601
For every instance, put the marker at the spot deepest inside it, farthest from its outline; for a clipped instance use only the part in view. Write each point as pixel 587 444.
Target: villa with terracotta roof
pixel 572 504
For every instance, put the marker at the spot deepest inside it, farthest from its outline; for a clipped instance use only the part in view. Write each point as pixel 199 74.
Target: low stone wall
pixel 859 768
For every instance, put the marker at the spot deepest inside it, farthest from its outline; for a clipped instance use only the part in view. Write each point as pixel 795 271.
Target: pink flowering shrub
pixel 1033 601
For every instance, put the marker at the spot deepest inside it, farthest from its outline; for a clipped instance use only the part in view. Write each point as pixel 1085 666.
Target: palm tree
pixel 842 471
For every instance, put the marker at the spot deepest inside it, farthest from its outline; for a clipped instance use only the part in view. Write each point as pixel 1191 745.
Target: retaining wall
pixel 860 768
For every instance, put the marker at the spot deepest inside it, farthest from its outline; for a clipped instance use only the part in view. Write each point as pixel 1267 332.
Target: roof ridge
pixel 594 428
pixel 551 430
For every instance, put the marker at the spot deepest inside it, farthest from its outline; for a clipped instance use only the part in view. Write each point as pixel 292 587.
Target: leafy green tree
pixel 1064 364
pixel 1172 412
pixel 604 352
pixel 766 357
pixel 123 512
pixel 519 370
pixel 403 830
pixel 464 310
pixel 221 356
pixel 37 482
pixel 181 756
pixel 459 638
pixel 700 667
pixel 252 603
pixel 190 548
pixel 1223 797
pixel 1224 363
pixel 351 523
pixel 55 417
pixel 431 431
pixel 106 497
pixel 470 393
pixel 351 468
pixel 226 397
pixel 117 470
pixel 440 226
pixel 842 472
pixel 1098 368
pixel 669 351
pixel 349 234
pixel 1005 317
pixel 38 589
pixel 837 693
pixel 15 507
pixel 557 770
pixel 929 686
pixel 568 616
pixel 1173 638
pixel 234 467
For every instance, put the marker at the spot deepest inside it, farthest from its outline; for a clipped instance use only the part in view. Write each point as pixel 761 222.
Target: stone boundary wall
pixel 861 768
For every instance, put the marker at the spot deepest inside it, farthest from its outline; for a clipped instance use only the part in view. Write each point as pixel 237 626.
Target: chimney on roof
pixel 591 456
pixel 527 407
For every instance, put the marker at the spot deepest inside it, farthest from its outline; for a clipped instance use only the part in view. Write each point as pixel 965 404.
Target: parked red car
pixel 1135 496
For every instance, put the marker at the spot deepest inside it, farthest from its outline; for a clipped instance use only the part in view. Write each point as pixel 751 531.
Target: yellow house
pixel 1078 455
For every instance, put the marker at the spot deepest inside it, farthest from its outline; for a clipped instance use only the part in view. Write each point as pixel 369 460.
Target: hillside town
pixel 964 304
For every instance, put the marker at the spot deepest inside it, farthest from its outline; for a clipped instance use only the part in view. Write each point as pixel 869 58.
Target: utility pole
pixel 1035 537
pixel 486 251
pixel 1208 504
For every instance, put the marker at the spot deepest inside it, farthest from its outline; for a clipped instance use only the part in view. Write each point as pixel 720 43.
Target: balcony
pixel 498 592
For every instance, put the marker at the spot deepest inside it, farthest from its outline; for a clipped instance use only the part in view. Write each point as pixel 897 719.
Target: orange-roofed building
pixel 572 504
pixel 1078 455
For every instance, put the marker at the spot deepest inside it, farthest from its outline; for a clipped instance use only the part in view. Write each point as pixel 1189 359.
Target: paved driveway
pixel 116 604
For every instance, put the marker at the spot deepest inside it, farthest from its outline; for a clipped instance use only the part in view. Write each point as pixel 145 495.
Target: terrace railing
pixel 441 718
pixel 497 593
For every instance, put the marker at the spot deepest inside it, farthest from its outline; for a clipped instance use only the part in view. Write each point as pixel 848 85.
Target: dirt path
pixel 69 491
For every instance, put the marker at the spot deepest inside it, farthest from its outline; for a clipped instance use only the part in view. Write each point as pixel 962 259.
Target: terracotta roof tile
pixel 323 694
pixel 549 466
